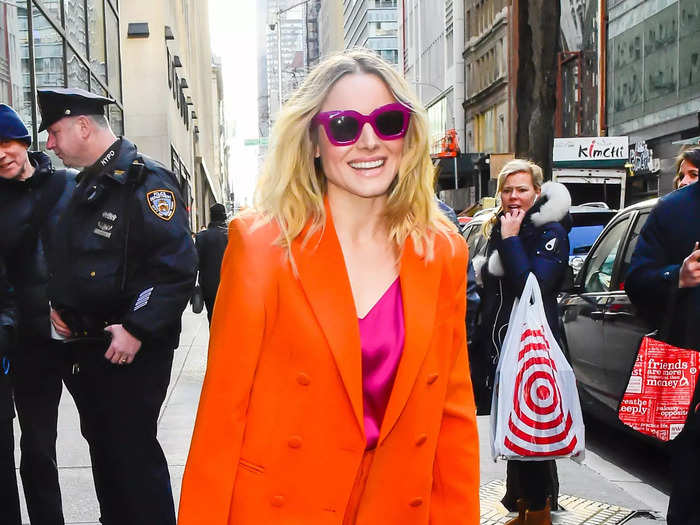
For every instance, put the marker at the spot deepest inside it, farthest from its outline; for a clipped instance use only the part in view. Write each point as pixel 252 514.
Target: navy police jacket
pixel 667 238
pixel 29 212
pixel 541 248
pixel 124 253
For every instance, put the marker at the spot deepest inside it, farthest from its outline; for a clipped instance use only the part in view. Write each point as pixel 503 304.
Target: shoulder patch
pixel 551 244
pixel 162 203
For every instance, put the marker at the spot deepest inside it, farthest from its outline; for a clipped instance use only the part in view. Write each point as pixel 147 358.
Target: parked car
pixel 601 327
pixel 589 221
pixel 472 233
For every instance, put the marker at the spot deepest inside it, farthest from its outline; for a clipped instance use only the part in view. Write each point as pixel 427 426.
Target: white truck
pixel 592 168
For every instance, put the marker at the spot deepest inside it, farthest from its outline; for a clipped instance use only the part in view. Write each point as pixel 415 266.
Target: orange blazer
pixel 279 432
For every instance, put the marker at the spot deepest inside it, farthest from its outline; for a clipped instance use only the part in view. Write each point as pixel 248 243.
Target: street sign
pixel 262 141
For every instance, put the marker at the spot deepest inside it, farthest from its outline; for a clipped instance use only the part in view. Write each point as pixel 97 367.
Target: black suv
pixel 601 327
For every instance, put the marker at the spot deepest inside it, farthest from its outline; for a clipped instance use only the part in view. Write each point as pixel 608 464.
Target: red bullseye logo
pixel 537 424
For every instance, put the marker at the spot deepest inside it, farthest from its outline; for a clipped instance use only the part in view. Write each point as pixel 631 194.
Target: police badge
pixel 162 203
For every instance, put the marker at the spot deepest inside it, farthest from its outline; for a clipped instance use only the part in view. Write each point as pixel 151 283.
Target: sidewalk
pixel 596 479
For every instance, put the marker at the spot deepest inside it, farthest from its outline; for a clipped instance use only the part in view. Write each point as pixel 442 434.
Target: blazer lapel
pixel 420 284
pixel 325 282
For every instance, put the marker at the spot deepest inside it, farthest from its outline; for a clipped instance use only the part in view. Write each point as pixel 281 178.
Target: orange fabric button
pixel 294 442
pixel 277 501
pixel 421 439
pixel 416 502
pixel 432 378
pixel 303 379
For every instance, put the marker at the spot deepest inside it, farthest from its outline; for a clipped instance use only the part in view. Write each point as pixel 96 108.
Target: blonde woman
pixel 528 234
pixel 337 389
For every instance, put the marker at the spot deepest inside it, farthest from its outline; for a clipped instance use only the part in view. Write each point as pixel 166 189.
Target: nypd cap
pixel 56 103
pixel 12 127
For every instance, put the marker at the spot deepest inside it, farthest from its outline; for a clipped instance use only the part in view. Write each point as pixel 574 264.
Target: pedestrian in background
pixel 9 509
pixel 337 388
pixel 473 298
pixel 123 268
pixel 211 245
pixel 528 234
pixel 664 283
pixel 687 164
pixel 32 196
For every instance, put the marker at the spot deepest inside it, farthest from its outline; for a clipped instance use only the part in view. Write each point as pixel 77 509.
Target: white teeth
pixel 367 165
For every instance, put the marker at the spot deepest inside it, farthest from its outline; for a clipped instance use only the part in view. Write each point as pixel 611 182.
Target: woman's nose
pixel 368 138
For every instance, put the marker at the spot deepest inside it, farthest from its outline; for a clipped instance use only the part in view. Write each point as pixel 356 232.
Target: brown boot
pixel 522 512
pixel 538 517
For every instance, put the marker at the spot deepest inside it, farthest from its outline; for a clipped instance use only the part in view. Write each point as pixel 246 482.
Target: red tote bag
pixel 660 389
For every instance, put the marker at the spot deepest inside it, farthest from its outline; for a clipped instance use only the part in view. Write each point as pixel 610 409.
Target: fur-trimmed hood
pixel 552 205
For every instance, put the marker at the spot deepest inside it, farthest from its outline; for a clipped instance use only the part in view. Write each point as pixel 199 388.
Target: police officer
pixel 32 196
pixel 9 509
pixel 123 271
pixel 211 245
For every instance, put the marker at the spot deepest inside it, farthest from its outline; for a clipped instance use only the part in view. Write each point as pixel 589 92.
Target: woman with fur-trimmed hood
pixel 528 234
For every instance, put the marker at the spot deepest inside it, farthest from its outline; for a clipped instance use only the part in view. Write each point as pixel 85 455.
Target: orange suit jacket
pixel 279 432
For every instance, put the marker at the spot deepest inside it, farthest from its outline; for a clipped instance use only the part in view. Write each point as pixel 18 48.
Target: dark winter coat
pixel 8 322
pixel 125 253
pixel 29 212
pixel 541 248
pixel 211 245
pixel 667 238
pixel 473 298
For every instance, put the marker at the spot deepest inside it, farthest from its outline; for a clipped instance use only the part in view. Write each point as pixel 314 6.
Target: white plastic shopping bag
pixel 535 412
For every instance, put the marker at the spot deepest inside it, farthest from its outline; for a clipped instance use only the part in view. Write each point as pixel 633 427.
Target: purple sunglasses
pixel 344 128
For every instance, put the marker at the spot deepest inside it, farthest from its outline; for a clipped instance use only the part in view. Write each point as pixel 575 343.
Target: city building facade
pixel 432 34
pixel 289 32
pixel 54 43
pixel 172 99
pixel 330 27
pixel 373 24
pixel 488 100
pixel 653 80
pixel 580 79
pixel 433 63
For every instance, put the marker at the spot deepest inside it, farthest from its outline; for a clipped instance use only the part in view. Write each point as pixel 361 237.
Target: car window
pixel 598 276
pixel 581 238
pixel 586 229
pixel 634 237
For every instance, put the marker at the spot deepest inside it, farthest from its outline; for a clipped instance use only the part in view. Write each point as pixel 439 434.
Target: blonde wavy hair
pixel 511 167
pixel 292 186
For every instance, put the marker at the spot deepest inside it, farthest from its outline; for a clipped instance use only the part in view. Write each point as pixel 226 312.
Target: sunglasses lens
pixel 390 123
pixel 343 128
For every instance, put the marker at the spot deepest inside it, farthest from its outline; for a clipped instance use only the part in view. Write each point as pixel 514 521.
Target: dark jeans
pixel 9 508
pixel 685 465
pixel 36 377
pixel 209 300
pixel 119 407
pixel 533 481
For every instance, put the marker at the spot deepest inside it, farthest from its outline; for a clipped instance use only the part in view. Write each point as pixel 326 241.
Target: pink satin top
pixel 382 337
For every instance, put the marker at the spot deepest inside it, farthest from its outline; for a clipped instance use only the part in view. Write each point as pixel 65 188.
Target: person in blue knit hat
pixel 32 196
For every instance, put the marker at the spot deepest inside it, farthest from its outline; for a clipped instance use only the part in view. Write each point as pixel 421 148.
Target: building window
pixel 113 63
pixel 170 69
pixel 96 36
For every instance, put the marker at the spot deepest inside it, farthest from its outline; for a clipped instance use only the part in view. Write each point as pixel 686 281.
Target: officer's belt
pixel 85 325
